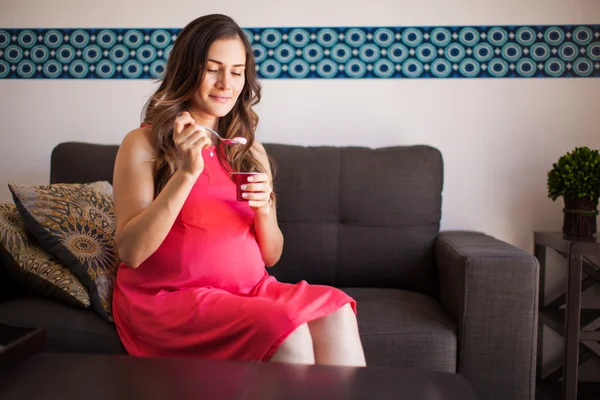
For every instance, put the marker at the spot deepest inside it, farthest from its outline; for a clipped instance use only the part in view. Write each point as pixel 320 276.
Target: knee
pixel 335 326
pixel 299 340
pixel 343 318
pixel 297 347
pixel 347 312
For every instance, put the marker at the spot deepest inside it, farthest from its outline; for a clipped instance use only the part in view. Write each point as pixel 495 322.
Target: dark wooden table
pixel 102 377
pixel 578 327
pixel 19 343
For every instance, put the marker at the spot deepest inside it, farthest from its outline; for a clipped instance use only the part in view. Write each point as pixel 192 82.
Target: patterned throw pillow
pixel 75 223
pixel 25 260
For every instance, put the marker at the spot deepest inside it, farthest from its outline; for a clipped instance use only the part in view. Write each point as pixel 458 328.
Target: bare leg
pixel 336 340
pixel 297 348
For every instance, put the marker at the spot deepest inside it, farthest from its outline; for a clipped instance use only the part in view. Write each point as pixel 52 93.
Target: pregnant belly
pixel 230 264
pixel 191 257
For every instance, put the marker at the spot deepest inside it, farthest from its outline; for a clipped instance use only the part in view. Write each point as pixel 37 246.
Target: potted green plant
pixel 576 177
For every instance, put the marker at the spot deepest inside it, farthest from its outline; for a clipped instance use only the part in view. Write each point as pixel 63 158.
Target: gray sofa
pixel 366 221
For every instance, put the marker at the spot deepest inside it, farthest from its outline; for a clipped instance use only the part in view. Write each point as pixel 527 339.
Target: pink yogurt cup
pixel 241 178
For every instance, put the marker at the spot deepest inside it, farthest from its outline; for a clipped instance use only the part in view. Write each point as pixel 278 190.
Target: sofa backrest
pixel 351 216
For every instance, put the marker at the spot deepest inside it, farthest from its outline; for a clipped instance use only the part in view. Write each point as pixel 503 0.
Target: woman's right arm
pixel 143 221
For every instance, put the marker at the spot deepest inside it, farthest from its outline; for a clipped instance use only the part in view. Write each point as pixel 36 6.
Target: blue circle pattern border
pixel 558 51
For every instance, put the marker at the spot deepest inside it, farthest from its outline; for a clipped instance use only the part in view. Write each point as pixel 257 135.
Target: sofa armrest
pixel 490 289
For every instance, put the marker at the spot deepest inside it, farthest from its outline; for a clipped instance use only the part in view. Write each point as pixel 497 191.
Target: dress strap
pixel 145 126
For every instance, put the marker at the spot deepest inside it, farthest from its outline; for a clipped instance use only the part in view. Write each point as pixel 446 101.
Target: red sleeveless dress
pixel 205 291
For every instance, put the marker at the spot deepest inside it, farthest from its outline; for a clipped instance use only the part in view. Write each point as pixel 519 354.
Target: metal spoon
pixel 235 140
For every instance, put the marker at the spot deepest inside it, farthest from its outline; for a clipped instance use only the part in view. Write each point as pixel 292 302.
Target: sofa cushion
pixel 76 224
pixel 77 162
pixel 401 328
pixel 344 208
pixel 68 329
pixel 26 261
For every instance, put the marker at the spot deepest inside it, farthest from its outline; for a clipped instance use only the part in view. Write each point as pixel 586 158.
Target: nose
pixel 224 81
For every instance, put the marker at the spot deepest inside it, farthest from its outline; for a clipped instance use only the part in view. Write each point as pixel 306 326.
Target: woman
pixel 193 280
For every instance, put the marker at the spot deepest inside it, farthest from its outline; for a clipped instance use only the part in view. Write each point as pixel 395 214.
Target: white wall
pixel 499 137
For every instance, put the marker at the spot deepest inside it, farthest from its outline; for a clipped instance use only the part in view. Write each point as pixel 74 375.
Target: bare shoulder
pixel 260 153
pixel 137 145
pixel 133 176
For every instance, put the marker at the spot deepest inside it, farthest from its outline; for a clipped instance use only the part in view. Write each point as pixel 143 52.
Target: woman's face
pixel 223 78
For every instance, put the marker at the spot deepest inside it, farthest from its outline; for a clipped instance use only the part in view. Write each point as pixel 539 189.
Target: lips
pixel 220 99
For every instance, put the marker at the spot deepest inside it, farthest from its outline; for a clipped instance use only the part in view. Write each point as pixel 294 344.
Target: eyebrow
pixel 220 63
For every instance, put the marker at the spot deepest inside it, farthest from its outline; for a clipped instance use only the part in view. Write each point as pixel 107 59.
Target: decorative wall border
pixel 559 51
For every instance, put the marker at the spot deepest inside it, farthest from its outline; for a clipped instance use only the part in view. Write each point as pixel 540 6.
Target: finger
pixel 202 142
pixel 258 204
pixel 258 178
pixel 180 125
pixel 181 121
pixel 195 141
pixel 189 141
pixel 256 187
pixel 190 130
pixel 261 196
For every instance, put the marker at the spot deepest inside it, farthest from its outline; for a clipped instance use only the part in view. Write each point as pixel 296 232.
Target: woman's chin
pixel 220 110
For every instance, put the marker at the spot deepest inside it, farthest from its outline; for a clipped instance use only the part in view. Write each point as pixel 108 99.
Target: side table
pixel 576 325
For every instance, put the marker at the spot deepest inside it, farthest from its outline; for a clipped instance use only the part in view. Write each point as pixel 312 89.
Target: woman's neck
pixel 206 120
pixel 201 118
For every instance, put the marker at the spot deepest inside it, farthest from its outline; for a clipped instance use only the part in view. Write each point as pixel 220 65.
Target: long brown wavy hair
pixel 185 70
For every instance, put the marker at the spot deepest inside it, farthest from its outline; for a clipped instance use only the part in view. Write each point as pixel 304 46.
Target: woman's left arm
pixel 268 234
